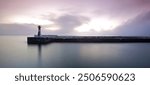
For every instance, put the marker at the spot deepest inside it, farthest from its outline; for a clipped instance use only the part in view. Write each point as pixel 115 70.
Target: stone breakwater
pixel 44 39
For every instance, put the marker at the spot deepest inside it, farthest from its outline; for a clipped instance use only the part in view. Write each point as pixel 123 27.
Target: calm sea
pixel 15 52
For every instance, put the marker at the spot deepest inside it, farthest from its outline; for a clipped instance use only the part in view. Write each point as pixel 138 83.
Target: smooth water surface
pixel 15 52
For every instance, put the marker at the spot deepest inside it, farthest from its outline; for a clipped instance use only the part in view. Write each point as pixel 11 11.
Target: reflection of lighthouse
pixel 39 30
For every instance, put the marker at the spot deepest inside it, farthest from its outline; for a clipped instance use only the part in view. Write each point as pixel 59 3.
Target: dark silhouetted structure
pixel 39 30
pixel 44 39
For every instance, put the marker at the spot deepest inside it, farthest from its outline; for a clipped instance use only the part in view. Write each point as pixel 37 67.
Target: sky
pixel 75 17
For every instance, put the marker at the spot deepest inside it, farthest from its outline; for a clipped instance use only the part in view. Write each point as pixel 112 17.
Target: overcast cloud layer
pixel 66 15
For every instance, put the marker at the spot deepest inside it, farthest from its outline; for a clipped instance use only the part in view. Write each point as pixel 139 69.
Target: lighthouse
pixel 39 30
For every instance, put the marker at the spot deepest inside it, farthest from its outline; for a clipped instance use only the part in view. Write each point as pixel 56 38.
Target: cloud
pixel 69 14
pixel 139 26
pixel 67 23
pixel 113 8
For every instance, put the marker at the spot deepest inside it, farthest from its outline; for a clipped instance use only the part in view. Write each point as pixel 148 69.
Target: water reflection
pixel 15 52
pixel 91 55
pixel 39 55
pixel 35 51
pixel 103 51
pixel 70 55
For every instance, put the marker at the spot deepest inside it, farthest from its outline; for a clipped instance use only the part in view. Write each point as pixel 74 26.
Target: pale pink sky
pixel 68 15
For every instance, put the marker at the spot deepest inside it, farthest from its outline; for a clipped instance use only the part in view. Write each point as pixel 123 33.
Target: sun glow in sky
pixel 98 24
pixel 52 27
